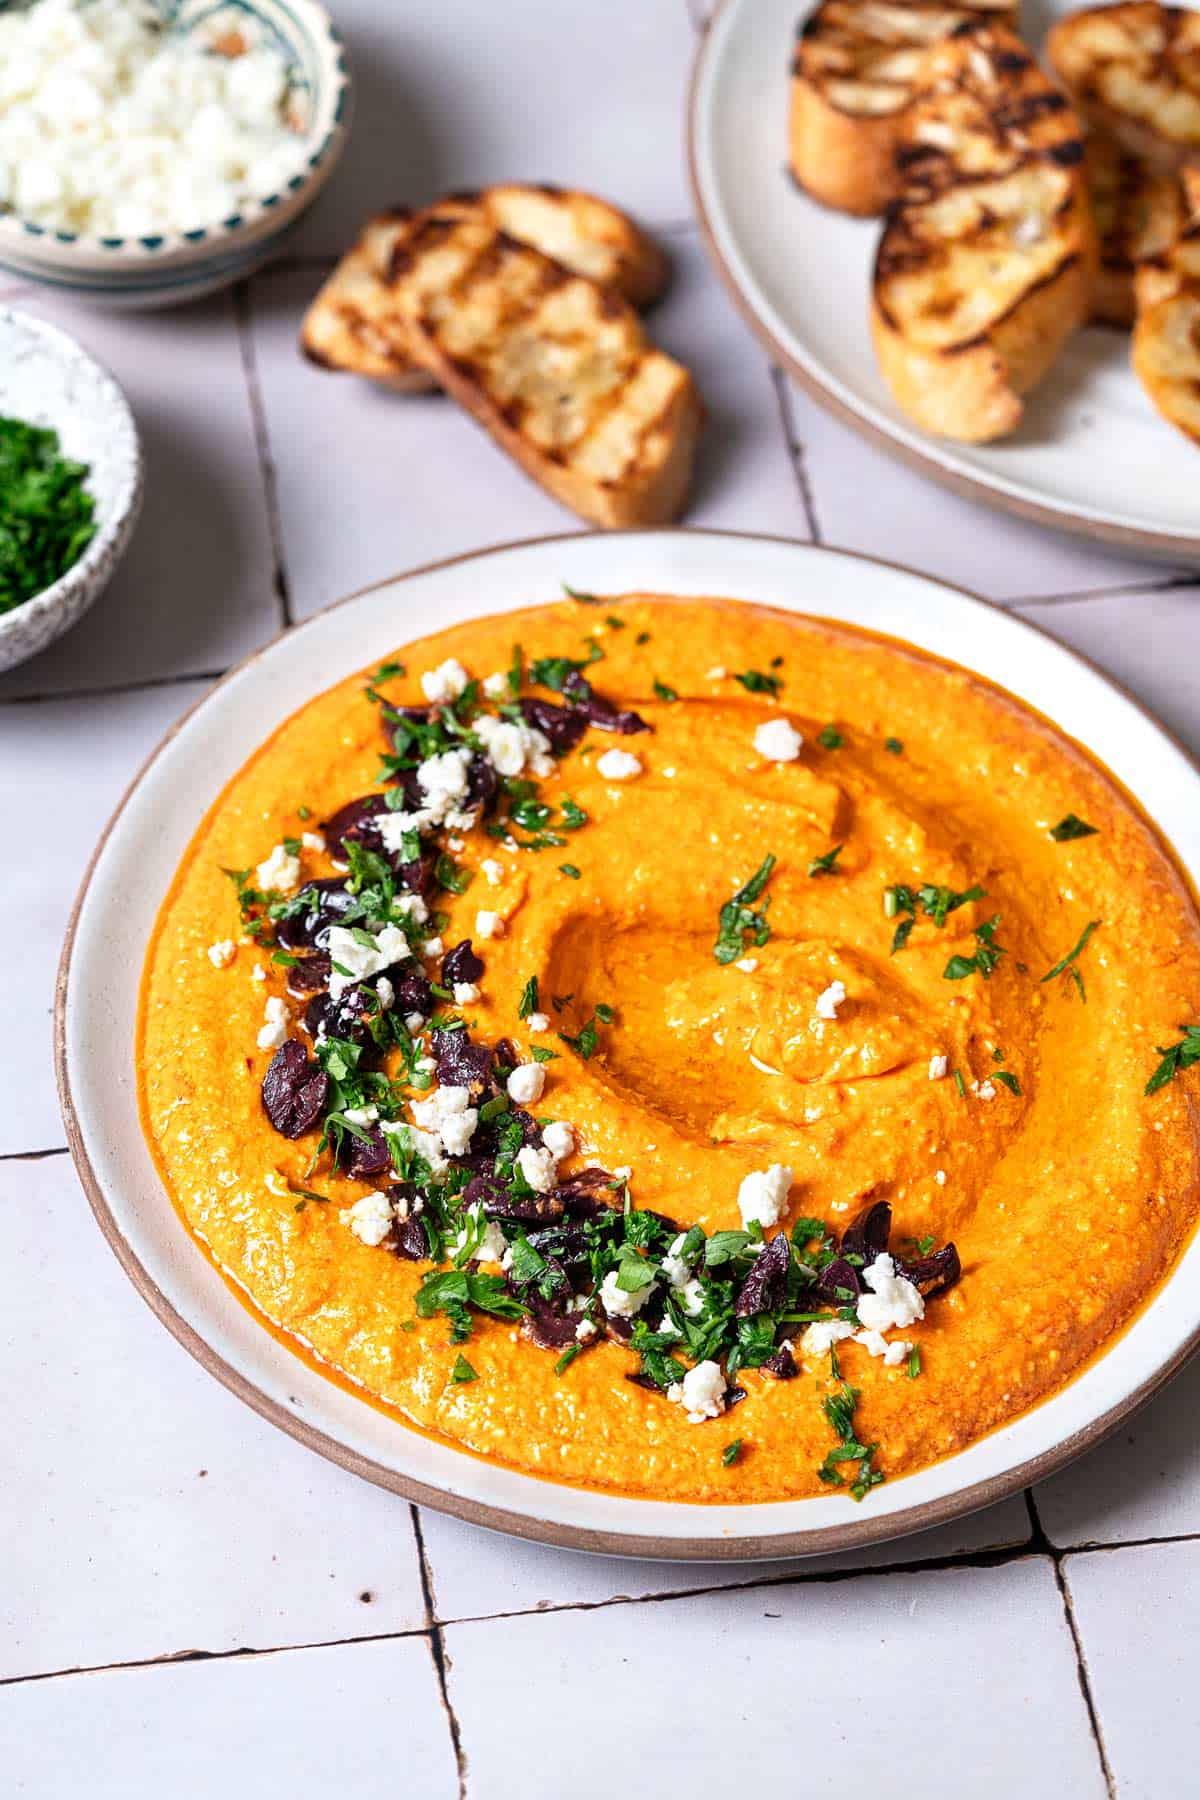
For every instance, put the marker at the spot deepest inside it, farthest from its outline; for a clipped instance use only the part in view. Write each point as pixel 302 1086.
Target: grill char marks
pixel 986 261
pixel 1133 71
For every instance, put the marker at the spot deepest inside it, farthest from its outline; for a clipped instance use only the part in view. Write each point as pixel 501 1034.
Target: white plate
pixel 102 960
pixel 1091 456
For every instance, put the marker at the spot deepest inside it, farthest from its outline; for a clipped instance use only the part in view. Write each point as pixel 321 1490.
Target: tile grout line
pixel 7 1156
pixel 796 452
pixel 1001 1557
pixel 1042 1543
pixel 1125 590
pixel 262 442
pixel 437 1645
pixel 110 690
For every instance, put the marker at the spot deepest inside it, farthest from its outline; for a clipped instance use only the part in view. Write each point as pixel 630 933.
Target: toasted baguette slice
pixel 345 327
pixel 556 368
pixel 349 324
pixel 1139 213
pixel 1166 335
pixel 853 79
pixel 986 263
pixel 1133 72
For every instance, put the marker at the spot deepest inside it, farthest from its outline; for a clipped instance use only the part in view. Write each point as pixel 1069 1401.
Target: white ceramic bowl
pixel 46 378
pixel 137 858
pixel 168 269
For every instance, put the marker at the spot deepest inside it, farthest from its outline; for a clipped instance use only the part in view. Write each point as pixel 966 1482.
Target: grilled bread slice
pixel 986 263
pixel 1139 213
pixel 1133 72
pixel 556 368
pixel 853 80
pixel 1166 335
pixel 351 325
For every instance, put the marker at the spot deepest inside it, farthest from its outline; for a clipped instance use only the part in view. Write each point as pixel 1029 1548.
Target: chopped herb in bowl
pixel 47 516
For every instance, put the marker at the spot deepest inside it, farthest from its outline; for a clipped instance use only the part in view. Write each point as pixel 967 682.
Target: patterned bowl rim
pixel 309 19
pixel 109 542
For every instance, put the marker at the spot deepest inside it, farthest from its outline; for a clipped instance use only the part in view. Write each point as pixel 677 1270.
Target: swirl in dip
pixel 812 995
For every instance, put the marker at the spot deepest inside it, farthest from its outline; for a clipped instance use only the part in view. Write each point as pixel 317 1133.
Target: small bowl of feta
pixel 155 150
pixel 70 482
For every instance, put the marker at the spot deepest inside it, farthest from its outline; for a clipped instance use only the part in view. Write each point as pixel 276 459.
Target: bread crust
pixel 1133 73
pixel 1139 213
pixel 351 326
pixel 987 262
pixel 853 81
pixel 1166 332
pixel 554 367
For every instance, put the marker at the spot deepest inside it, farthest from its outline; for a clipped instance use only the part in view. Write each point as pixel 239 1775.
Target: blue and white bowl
pixel 167 269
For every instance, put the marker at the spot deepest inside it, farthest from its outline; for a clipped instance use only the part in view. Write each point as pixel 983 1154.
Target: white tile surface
pixel 195 590
pixel 1147 641
pixel 812 1689
pixel 866 500
pixel 1138 1613
pixel 144 1511
pixel 457 96
pixel 1143 1483
pixel 363 1719
pixel 66 764
pixel 475 1572
pixel 414 479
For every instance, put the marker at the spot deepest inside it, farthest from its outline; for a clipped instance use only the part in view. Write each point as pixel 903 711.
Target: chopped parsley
pixel 755 682
pixel 576 594
pixel 893 746
pixel 1176 1058
pixel 830 738
pixel 571 869
pixel 824 865
pixel 914 1362
pixel 1009 1079
pixel 987 954
pixel 731 1453
pixel 586 1040
pixel 740 915
pixel 462 1370
pixel 664 692
pixel 839 1410
pixel 1072 827
pixel 937 903
pixel 529 998
pixel 47 516
pixel 1066 965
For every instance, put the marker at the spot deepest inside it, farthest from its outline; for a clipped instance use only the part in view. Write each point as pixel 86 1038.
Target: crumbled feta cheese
pixel 449 1113
pixel 385 993
pixel 701 1393
pixel 717 674
pixel 370 1218
pixel 492 1245
pixel 493 871
pixel 617 1303
pixel 778 740
pixel 280 873
pixel 312 840
pixel 985 1089
pixel 527 1083
pixel 939 1175
pixel 558 1139
pixel 821 1336
pixel 747 964
pixel 584 1331
pixel 496 686
pixel 446 682
pixel 538 1021
pixel 829 1001
pixel 274 1031
pixel 489 925
pixel 538 1167
pixel 893 1300
pixel 455 844
pixel 111 125
pixel 465 993
pixel 511 745
pixel 427 1144
pixel 432 947
pixel 618 765
pixel 361 1115
pixel 691 1296
pixel 763 1195
pixel 413 1021
pixel 939 1067
pixel 875 1344
pixel 222 953
pixel 360 960
pixel 673 1266
pixel 258 973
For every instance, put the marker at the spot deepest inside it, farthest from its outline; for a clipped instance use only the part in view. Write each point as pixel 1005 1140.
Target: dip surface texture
pixel 989 1107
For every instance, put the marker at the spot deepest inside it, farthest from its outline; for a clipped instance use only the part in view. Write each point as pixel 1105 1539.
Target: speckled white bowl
pixel 173 267
pixel 46 378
